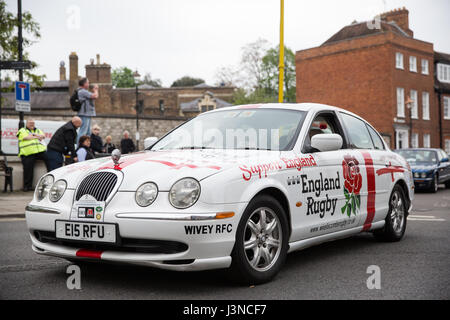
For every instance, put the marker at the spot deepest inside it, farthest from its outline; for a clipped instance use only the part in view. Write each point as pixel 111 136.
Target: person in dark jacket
pixel 126 144
pixel 63 143
pixel 84 151
pixel 96 140
pixel 109 146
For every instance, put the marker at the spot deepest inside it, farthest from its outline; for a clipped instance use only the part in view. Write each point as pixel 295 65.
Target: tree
pixel 241 96
pixel 123 78
pixel 187 81
pixel 251 63
pixel 152 82
pixel 228 76
pixel 270 72
pixel 9 40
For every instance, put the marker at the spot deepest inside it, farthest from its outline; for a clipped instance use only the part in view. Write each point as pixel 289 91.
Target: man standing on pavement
pixel 126 144
pixel 87 110
pixel 31 148
pixel 63 144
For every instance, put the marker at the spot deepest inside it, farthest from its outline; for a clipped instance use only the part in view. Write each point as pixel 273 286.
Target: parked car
pixel 430 167
pixel 291 176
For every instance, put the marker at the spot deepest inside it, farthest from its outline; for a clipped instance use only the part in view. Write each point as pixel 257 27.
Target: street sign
pixel 16 65
pixel 23 96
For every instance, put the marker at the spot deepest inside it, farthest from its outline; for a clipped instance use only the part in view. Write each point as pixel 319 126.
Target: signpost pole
pixel 20 40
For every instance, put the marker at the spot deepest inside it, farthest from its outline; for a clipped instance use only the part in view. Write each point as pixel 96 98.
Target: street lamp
pixel 408 104
pixel 136 77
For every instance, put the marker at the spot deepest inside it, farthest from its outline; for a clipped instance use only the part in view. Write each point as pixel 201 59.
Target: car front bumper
pixel 208 244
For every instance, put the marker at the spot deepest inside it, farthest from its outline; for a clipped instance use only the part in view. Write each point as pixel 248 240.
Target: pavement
pixel 418 267
pixel 12 204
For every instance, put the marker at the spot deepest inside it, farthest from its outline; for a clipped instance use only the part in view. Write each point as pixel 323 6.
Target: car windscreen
pixel 416 157
pixel 259 129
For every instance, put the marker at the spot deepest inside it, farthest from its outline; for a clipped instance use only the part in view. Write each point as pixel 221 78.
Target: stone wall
pixel 114 125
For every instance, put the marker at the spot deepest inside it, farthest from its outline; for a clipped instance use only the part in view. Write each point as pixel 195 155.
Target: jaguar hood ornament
pixel 115 156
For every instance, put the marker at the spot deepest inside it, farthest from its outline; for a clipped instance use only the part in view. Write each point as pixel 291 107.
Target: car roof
pixel 306 106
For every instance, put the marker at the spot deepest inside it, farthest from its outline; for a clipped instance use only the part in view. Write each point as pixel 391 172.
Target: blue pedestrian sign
pixel 23 96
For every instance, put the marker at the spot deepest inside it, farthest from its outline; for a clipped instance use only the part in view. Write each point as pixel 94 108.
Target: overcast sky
pixel 172 38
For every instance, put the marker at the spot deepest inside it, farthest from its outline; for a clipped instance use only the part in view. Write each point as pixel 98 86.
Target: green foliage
pixel 123 78
pixel 258 95
pixel 187 81
pixel 9 40
pixel 270 71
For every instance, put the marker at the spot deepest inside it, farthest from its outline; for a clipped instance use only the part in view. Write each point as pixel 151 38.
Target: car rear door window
pixel 357 131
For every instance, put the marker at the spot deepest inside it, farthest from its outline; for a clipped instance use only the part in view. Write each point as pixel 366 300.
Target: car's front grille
pixel 125 244
pixel 99 185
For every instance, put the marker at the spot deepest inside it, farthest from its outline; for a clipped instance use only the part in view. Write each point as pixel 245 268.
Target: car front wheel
pixel 261 241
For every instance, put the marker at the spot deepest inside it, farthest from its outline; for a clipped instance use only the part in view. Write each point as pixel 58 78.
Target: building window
pixel 447 108
pixel 443 72
pixel 401 139
pixel 399 60
pixel 425 106
pixel 414 140
pixel 412 64
pixel 414 111
pixel 400 102
pixel 426 140
pixel 447 146
pixel 425 66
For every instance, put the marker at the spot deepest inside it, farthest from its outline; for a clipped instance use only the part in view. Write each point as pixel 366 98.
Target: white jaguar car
pixel 236 188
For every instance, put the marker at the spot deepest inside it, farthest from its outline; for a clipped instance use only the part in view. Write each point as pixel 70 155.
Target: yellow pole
pixel 281 59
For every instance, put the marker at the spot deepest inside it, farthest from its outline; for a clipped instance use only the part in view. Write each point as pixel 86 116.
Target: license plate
pixel 84 231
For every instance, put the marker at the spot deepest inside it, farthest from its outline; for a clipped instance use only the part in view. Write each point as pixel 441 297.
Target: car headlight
pixel 416 175
pixel 57 190
pixel 423 175
pixel 184 193
pixel 44 187
pixel 146 194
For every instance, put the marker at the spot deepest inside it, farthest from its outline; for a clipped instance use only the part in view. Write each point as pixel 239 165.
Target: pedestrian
pixel 84 151
pixel 31 148
pixel 96 140
pixel 63 144
pixel 109 146
pixel 126 144
pixel 87 110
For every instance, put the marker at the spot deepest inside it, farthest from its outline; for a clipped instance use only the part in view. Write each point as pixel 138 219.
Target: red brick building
pixel 378 70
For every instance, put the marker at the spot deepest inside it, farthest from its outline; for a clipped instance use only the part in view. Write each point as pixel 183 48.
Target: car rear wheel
pixel 395 223
pixel 261 242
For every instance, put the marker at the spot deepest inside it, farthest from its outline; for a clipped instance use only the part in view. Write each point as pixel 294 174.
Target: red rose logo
pixel 352 176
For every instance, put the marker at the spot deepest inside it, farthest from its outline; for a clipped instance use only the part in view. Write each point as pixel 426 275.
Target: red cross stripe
pixel 371 191
pixel 181 165
pixel 390 169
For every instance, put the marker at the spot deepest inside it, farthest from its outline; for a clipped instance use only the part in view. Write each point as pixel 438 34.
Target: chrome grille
pixel 99 185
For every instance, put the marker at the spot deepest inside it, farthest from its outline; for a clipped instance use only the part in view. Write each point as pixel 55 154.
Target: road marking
pixel 423 218
pixel 11 219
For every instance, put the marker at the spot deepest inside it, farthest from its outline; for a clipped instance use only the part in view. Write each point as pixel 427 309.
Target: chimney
pixel 62 71
pixel 73 71
pixel 400 17
pixel 98 59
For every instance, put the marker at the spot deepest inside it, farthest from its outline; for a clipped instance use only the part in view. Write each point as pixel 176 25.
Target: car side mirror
pixel 326 142
pixel 445 160
pixel 149 141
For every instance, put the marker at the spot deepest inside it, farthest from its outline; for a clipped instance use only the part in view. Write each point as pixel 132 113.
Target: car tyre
pixel 447 184
pixel 395 222
pixel 435 186
pixel 261 245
